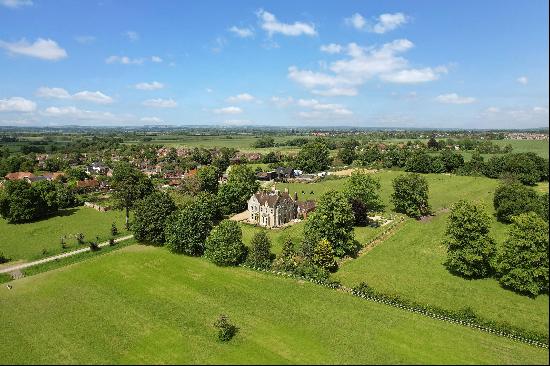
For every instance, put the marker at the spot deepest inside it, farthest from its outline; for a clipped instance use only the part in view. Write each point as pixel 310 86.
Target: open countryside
pixel 274 183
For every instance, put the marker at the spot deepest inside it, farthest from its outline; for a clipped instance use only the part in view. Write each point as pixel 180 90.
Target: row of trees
pixel 521 263
pixel 21 201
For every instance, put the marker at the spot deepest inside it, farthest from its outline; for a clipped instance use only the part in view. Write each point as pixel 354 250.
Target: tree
pixel 361 191
pixel 333 220
pixel 187 229
pixel 224 245
pixel 452 160
pixel 410 195
pixel 150 215
pixel 470 248
pixel 347 152
pixel 129 185
pixel 512 198
pixel 433 144
pixel 208 179
pixel 313 157
pixel 523 261
pixel 264 141
pixel 419 162
pixel 241 184
pixel 544 206
pixel 286 260
pixel 260 251
pixel 20 202
pixel 323 256
pixel 48 192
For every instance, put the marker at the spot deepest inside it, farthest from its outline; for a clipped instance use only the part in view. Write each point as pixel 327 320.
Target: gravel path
pixel 19 267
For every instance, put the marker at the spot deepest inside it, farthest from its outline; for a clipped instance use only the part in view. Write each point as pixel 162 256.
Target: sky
pixel 423 64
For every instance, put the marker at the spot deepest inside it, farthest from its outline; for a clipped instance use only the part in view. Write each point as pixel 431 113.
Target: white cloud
pixel 282 102
pixel 156 59
pixel 388 22
pixel 17 104
pixel 59 93
pixel 522 80
pixel 160 103
pixel 45 49
pixel 356 21
pixel 76 113
pixel 331 48
pixel 454 98
pixel 88 96
pixel 124 60
pixel 151 120
pixel 228 110
pixel 95 97
pixel 513 117
pixel 155 85
pixel 16 3
pixel 242 32
pixel 132 36
pixel 271 25
pixel 244 97
pixel 85 39
pixel 362 64
pixel 318 109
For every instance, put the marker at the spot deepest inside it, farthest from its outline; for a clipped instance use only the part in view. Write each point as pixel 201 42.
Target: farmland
pixel 144 305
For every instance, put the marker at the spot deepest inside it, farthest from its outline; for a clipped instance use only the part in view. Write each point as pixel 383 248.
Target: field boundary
pixel 399 305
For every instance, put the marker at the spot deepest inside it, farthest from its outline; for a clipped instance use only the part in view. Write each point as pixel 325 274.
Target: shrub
pixel 523 261
pixel 79 238
pixel 286 261
pixel 94 246
pixel 112 242
pixel 150 217
pixel 470 249
pixel 410 195
pixel 226 330
pixel 513 198
pixel 224 245
pixel 323 256
pixel 114 229
pixel 260 251
pixel 3 258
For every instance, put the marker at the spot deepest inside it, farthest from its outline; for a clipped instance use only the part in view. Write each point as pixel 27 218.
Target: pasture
pixel 43 238
pixel 144 305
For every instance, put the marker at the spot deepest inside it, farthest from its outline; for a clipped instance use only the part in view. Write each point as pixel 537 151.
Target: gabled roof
pixel 272 199
pixel 19 175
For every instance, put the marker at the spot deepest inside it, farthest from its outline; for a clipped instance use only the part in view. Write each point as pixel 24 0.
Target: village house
pixel 97 168
pixel 19 175
pixel 275 208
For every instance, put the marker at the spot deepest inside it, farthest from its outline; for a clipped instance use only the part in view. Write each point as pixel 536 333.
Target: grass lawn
pixel 145 305
pixel 28 241
pixel 539 147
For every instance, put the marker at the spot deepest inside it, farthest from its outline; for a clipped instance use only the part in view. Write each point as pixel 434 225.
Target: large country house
pixel 274 209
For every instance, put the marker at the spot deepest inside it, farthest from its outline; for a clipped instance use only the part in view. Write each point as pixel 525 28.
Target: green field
pixel 145 305
pixel 28 241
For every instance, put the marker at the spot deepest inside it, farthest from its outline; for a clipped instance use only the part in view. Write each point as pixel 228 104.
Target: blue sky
pixel 467 64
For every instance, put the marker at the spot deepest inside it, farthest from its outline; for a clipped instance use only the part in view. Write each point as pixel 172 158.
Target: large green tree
pixel 150 215
pixel 129 185
pixel 410 195
pixel 260 250
pixel 20 202
pixel 333 220
pixel 313 157
pixel 224 245
pixel 512 198
pixel 361 190
pixel 208 179
pixel 241 184
pixel 470 248
pixel 523 260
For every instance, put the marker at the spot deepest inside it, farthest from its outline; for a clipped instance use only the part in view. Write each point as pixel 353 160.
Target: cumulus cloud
pixel 331 48
pixel 454 98
pixel 131 35
pixel 522 80
pixel 45 49
pixel 228 110
pixel 388 22
pixel 362 64
pixel 321 110
pixel 16 3
pixel 282 102
pixel 242 32
pixel 160 103
pixel 356 21
pixel 156 59
pixel 271 25
pixel 124 60
pixel 88 96
pixel 155 85
pixel 244 97
pixel 17 104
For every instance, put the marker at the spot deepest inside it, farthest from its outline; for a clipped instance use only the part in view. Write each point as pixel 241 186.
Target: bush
pixel 3 258
pixel 523 261
pixel 410 195
pixel 224 245
pixel 150 217
pixel 323 256
pixel 79 238
pixel 286 261
pixel 114 230
pixel 260 251
pixel 94 246
pixel 226 330
pixel 470 249
pixel 513 198
pixel 112 242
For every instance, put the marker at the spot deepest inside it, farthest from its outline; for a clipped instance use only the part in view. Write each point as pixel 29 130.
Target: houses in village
pixel 274 209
